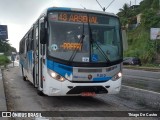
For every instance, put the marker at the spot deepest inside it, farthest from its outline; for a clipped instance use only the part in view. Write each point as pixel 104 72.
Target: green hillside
pixel 139 41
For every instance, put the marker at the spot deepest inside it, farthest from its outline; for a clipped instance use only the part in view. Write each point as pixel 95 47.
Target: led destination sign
pixel 79 17
pixel 75 17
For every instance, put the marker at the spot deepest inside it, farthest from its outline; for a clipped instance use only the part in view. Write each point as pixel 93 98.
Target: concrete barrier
pixel 3 106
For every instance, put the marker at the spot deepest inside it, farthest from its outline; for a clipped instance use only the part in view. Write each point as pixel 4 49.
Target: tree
pixel 126 14
pixel 6 48
pixel 146 4
pixel 150 19
pixel 155 4
pixel 125 11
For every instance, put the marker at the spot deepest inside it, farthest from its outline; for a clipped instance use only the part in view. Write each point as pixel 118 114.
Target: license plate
pixel 88 93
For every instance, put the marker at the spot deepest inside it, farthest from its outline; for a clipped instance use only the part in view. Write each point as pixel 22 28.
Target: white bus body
pixel 73 52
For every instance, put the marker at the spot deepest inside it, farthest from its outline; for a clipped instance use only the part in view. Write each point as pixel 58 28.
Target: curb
pixel 3 105
pixel 142 97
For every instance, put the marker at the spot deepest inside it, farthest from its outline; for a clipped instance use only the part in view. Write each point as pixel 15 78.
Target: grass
pixel 4 60
pixel 140 45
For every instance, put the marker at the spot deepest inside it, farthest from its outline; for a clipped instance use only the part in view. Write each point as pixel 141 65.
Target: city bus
pixel 73 52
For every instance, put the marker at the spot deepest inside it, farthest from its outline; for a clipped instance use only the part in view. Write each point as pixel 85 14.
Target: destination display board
pixel 79 17
pixel 3 32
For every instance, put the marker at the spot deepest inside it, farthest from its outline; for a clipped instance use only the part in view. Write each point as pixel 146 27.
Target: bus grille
pixel 80 89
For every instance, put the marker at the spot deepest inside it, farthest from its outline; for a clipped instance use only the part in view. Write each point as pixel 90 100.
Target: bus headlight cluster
pixel 56 75
pixel 117 76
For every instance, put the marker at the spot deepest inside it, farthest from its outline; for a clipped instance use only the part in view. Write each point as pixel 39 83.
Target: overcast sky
pixel 19 15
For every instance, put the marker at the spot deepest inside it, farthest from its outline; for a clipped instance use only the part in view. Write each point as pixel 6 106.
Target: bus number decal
pixel 71 46
pixel 101 75
pixel 85 59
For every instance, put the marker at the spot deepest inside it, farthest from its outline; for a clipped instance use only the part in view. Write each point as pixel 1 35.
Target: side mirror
pixel 124 39
pixel 43 35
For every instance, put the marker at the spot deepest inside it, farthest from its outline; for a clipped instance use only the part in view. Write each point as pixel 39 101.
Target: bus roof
pixel 77 9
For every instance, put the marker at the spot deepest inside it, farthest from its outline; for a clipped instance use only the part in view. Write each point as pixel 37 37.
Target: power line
pixel 101 6
pixel 110 4
pixel 104 8
pixel 82 6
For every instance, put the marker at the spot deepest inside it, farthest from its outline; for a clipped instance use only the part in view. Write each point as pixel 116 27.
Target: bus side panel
pixel 30 65
pixel 23 63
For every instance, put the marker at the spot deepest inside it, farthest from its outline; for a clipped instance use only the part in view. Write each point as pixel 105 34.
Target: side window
pixel 22 46
pixel 37 33
pixel 27 43
pixel 30 40
pixel 35 37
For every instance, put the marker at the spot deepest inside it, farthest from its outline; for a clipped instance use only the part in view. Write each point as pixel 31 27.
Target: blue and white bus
pixel 71 51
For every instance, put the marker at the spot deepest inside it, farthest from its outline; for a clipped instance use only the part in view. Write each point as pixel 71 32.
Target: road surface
pixel 142 79
pixel 22 96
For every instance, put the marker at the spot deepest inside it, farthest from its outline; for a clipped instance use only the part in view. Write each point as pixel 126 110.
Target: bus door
pixel 41 55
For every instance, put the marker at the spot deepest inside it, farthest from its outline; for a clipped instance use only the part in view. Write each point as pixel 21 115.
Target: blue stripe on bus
pixel 59 8
pixel 30 59
pixel 59 68
pixel 102 79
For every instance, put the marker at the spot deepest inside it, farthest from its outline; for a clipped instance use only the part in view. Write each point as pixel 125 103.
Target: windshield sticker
pixel 53 47
pixel 71 46
pixel 85 59
pixel 94 57
pixel 53 17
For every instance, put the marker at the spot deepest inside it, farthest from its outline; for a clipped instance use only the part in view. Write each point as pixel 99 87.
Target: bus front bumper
pixel 67 88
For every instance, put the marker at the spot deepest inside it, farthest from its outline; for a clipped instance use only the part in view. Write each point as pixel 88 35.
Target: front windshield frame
pixel 75 63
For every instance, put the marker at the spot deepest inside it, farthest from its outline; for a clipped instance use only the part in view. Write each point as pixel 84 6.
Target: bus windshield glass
pixel 84 37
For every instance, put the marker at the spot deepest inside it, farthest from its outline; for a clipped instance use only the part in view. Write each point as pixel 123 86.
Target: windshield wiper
pixel 93 41
pixel 79 42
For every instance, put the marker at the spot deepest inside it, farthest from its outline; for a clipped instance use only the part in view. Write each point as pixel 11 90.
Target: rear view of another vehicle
pixel 132 61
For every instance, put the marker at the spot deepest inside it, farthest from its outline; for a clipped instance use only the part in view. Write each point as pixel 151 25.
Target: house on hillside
pixel 134 22
pixel 133 7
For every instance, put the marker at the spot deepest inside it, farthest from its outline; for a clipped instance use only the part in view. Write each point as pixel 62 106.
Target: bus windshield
pixel 84 37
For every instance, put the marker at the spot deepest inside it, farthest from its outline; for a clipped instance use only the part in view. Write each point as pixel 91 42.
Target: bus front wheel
pixel 40 93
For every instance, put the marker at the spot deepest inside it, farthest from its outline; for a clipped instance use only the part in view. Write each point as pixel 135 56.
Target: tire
pixel 34 83
pixel 24 77
pixel 40 93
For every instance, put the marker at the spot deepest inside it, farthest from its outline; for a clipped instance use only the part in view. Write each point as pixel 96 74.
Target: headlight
pixel 117 76
pixel 56 75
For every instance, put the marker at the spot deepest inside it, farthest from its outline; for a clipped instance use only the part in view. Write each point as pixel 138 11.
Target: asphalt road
pixel 22 96
pixel 142 79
